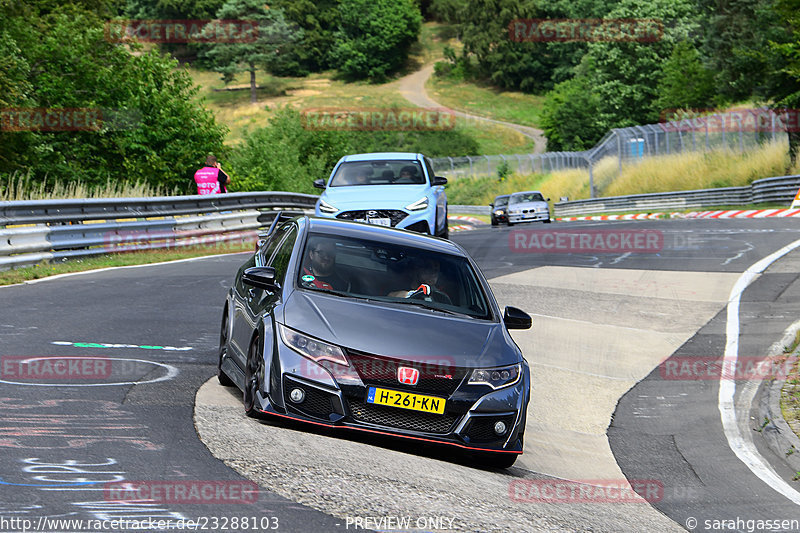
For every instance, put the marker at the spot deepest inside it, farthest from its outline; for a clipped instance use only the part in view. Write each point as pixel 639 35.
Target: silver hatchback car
pixel 528 206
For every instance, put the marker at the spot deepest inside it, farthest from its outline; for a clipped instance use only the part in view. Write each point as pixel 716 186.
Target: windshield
pixel 523 197
pixel 374 270
pixel 387 172
pixel 500 202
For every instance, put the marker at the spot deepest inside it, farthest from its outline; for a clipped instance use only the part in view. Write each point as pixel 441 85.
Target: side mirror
pixel 515 318
pixel 438 180
pixel 319 184
pixel 547 199
pixel 261 277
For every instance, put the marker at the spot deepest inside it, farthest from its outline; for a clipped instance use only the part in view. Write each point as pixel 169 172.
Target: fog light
pixel 298 395
pixel 500 427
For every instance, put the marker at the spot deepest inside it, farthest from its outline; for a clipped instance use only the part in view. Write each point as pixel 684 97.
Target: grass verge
pixel 486 101
pixel 790 393
pixel 19 275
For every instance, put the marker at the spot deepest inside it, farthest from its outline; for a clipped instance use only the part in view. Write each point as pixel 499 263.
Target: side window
pixel 429 168
pixel 280 259
pixel 268 249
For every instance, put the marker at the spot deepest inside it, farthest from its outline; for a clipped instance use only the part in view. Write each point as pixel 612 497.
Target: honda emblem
pixel 407 375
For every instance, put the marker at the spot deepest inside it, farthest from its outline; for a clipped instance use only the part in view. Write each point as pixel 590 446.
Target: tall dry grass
pixel 19 186
pixel 678 172
pixel 700 170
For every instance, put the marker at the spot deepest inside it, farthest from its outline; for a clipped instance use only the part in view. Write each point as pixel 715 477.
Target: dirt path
pixel 412 87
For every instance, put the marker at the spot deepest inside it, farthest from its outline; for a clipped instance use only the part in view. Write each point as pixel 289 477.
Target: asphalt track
pixel 602 323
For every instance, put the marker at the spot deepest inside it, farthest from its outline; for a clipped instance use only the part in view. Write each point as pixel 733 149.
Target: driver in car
pixel 424 279
pixel 320 267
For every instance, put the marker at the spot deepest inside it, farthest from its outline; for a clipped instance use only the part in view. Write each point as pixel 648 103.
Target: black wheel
pixel 547 221
pixel 223 378
pixel 445 233
pixel 494 222
pixel 253 376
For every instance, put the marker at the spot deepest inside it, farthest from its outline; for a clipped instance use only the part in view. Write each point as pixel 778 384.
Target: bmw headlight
pixel 496 378
pixel 500 212
pixel 325 207
pixel 422 203
pixel 312 348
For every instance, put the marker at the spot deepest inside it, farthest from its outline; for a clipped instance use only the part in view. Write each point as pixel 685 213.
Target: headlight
pixel 312 348
pixel 499 212
pixel 422 203
pixel 496 378
pixel 325 207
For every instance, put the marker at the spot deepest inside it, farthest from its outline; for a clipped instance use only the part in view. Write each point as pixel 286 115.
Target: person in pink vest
pixel 211 179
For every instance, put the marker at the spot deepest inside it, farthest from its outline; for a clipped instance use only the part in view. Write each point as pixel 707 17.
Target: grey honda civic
pixel 374 329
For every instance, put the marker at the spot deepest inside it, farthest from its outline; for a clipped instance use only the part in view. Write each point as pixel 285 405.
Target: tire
pixel 222 377
pixel 445 233
pixel 495 222
pixel 252 371
pixel 547 221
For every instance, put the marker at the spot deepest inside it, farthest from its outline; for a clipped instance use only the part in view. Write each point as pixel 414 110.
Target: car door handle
pixel 251 293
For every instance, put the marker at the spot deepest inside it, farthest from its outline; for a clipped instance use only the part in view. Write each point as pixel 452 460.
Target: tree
pixel 262 50
pixel 152 130
pixel 319 21
pixel 570 116
pixel 685 82
pixel 375 37
pixel 782 85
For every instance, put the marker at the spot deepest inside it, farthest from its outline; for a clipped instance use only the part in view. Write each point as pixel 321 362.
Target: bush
pixel 375 37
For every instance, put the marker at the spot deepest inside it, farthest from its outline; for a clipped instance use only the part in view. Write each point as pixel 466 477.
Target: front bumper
pixel 422 221
pixel 471 411
pixel 528 217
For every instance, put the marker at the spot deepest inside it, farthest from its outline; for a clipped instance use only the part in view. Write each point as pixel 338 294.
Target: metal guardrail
pixel 469 209
pixel 80 210
pixel 774 190
pixel 46 230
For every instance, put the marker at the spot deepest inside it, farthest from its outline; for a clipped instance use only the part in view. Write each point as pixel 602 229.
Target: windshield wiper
pixel 426 305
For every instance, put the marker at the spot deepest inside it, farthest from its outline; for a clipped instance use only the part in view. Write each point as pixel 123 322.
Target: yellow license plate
pixel 406 400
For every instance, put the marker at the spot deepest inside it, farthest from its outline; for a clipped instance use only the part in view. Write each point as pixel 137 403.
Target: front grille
pixel 481 429
pixel 394 215
pixel 380 371
pixel 401 418
pixel 317 404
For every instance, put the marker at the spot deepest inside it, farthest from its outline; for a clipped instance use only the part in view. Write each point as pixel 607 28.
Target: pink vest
pixel 206 179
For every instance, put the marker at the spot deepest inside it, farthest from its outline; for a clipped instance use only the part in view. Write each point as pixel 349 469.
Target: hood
pixel 528 205
pixel 374 196
pixel 399 331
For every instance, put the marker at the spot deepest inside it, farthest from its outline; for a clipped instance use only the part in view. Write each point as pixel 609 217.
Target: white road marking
pixel 171 373
pixel 743 446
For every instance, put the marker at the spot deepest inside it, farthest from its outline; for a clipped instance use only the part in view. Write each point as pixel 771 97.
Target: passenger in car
pixel 408 174
pixel 320 266
pixel 424 282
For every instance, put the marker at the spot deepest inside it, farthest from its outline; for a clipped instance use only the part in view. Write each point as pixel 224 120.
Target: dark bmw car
pixel 500 209
pixel 357 326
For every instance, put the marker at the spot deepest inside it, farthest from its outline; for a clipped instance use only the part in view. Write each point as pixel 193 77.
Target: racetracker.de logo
pixel 585 241
pixel 181 31
pixel 394 119
pixel 178 492
pixel 746 120
pixel 585 30
pixel 55 119
pixel 586 491
pixel 741 368
pixel 32 368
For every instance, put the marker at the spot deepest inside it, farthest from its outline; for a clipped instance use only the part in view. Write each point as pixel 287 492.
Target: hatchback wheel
pixel 253 374
pixel 223 378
